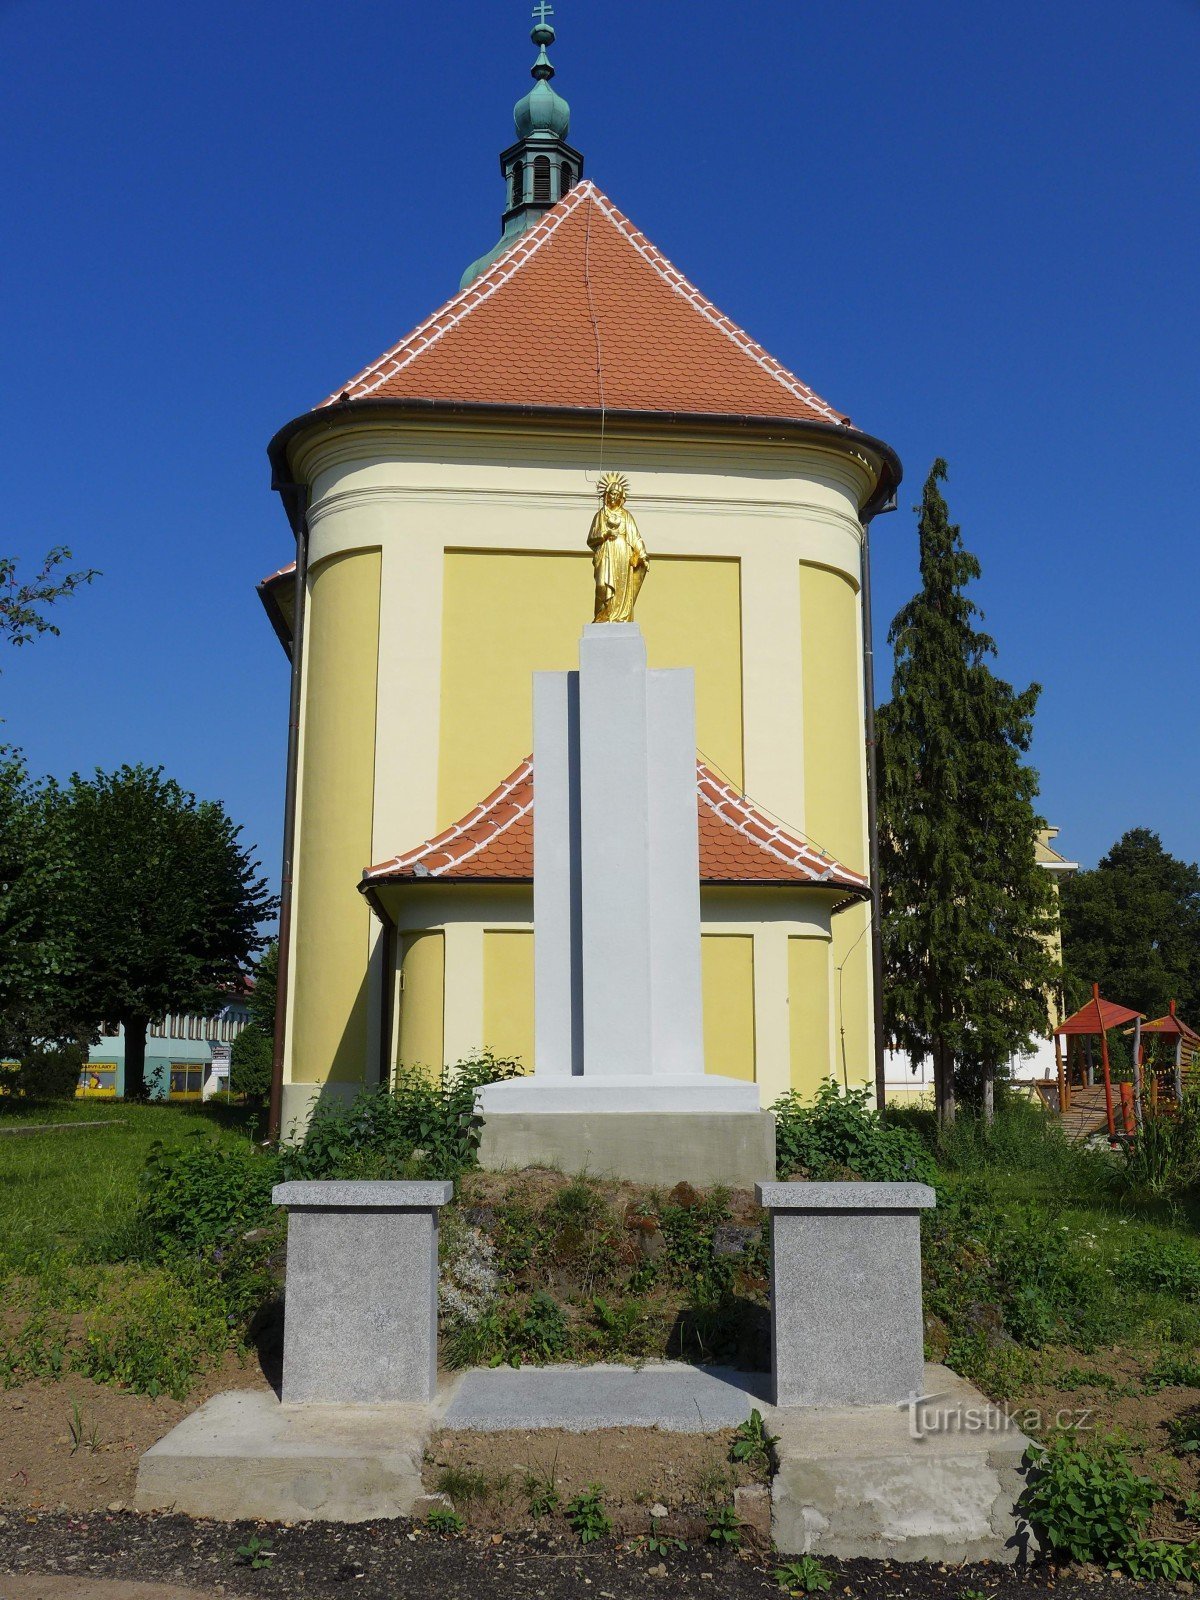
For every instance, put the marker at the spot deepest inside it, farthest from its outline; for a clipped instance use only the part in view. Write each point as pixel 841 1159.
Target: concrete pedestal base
pixel 704 1148
pixel 245 1455
pixel 937 1481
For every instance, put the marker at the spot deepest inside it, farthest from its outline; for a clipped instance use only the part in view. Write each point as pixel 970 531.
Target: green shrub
pixel 1087 1502
pixel 841 1135
pixel 250 1061
pixel 422 1125
pixel 49 1074
pixel 1161 1266
pixel 201 1193
pixel 587 1516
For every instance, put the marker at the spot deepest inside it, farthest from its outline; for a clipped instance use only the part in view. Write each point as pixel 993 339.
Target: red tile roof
pixel 583 311
pixel 1094 1018
pixel 739 844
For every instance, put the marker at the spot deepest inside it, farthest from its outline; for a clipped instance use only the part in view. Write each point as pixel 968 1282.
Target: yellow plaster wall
pixel 329 1027
pixel 508 614
pixel 727 972
pixel 834 768
pixel 421 1002
pixel 508 995
pixel 808 1013
pixel 835 792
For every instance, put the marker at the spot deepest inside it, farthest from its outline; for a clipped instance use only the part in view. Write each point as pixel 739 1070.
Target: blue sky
pixel 973 227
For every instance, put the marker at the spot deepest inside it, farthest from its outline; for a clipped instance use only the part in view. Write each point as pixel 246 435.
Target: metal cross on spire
pixel 541 11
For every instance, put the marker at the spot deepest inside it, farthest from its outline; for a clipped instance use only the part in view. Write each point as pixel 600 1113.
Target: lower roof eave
pixel 329 418
pixel 851 894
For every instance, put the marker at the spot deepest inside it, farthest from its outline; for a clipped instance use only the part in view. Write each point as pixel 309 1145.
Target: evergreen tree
pixel 1132 925
pixel 262 996
pixel 165 903
pixel 966 909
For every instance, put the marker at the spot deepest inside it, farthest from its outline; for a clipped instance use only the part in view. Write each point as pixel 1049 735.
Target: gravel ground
pixel 402 1561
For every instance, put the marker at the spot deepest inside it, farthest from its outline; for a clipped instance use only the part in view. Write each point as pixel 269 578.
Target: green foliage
pixel 152 1336
pixel 1132 925
pixel 724 1528
pixel 1020 1138
pixel 50 1072
pixel 841 1134
pixel 421 1127
pixel 39 1004
pixel 1163 1162
pixel 261 1001
pixel 1173 1369
pixel 1185 1433
pixel 250 1061
pixel 163 901
pixel 966 908
pixel 1160 1560
pixel 995 1274
pixel 623 1328
pixel 201 1193
pixel 1162 1266
pixel 586 1514
pixel 84 1435
pixel 256 1552
pixel 23 604
pixel 804 1576
pixel 661 1544
pixel 544 1327
pixel 541 1490
pixel 753 1443
pixel 444 1521
pixel 1087 1502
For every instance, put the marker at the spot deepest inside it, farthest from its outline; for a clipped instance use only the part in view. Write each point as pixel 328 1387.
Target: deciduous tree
pixel 1132 925
pixel 966 909
pixel 166 902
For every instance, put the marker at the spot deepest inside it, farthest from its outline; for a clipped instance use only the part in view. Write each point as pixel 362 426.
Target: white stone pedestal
pixel 846 1321
pixel 620 1084
pixel 360 1302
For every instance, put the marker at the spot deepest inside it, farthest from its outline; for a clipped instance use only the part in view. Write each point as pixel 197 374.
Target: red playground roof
pixel 1097 1016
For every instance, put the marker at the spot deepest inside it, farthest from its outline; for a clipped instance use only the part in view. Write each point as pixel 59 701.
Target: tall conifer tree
pixel 966 908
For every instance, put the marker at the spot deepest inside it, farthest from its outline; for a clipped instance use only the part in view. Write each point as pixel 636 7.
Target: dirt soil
pixel 402 1561
pixel 42 1468
pixel 489 1477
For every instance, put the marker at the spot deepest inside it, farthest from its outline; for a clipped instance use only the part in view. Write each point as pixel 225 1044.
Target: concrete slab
pixel 243 1454
pixel 669 1395
pixel 936 1479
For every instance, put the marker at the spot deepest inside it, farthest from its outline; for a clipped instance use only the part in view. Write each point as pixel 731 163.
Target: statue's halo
pixel 612 480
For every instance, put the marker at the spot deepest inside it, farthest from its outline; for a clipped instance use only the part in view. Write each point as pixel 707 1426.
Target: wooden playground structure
pixel 1165 1059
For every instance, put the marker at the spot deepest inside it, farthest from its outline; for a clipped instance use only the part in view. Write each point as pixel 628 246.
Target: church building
pixel 440 501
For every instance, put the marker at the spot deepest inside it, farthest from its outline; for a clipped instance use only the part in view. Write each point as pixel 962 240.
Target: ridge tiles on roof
pixel 739 843
pixel 584 312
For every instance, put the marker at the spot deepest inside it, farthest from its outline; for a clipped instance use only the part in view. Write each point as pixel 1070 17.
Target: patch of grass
pixel 443 1521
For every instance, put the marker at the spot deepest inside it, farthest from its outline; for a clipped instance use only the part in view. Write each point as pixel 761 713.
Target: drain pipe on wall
pixel 295 497
pixel 873 808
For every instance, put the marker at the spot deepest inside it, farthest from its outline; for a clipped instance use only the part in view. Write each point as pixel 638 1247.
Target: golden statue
pixel 619 558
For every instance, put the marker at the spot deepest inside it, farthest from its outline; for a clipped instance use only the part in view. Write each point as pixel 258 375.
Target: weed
pixel 256 1553
pixel 841 1134
pixel 805 1576
pixel 659 1544
pixel 587 1516
pixel 541 1489
pixel 1185 1433
pixel 464 1484
pixel 752 1443
pixel 974 1594
pixel 1087 1501
pixel 84 1436
pixel 544 1327
pixel 444 1521
pixel 1161 1266
pixel 620 1326
pixel 1160 1560
pixel 1190 1505
pixel 724 1528
pixel 1173 1370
